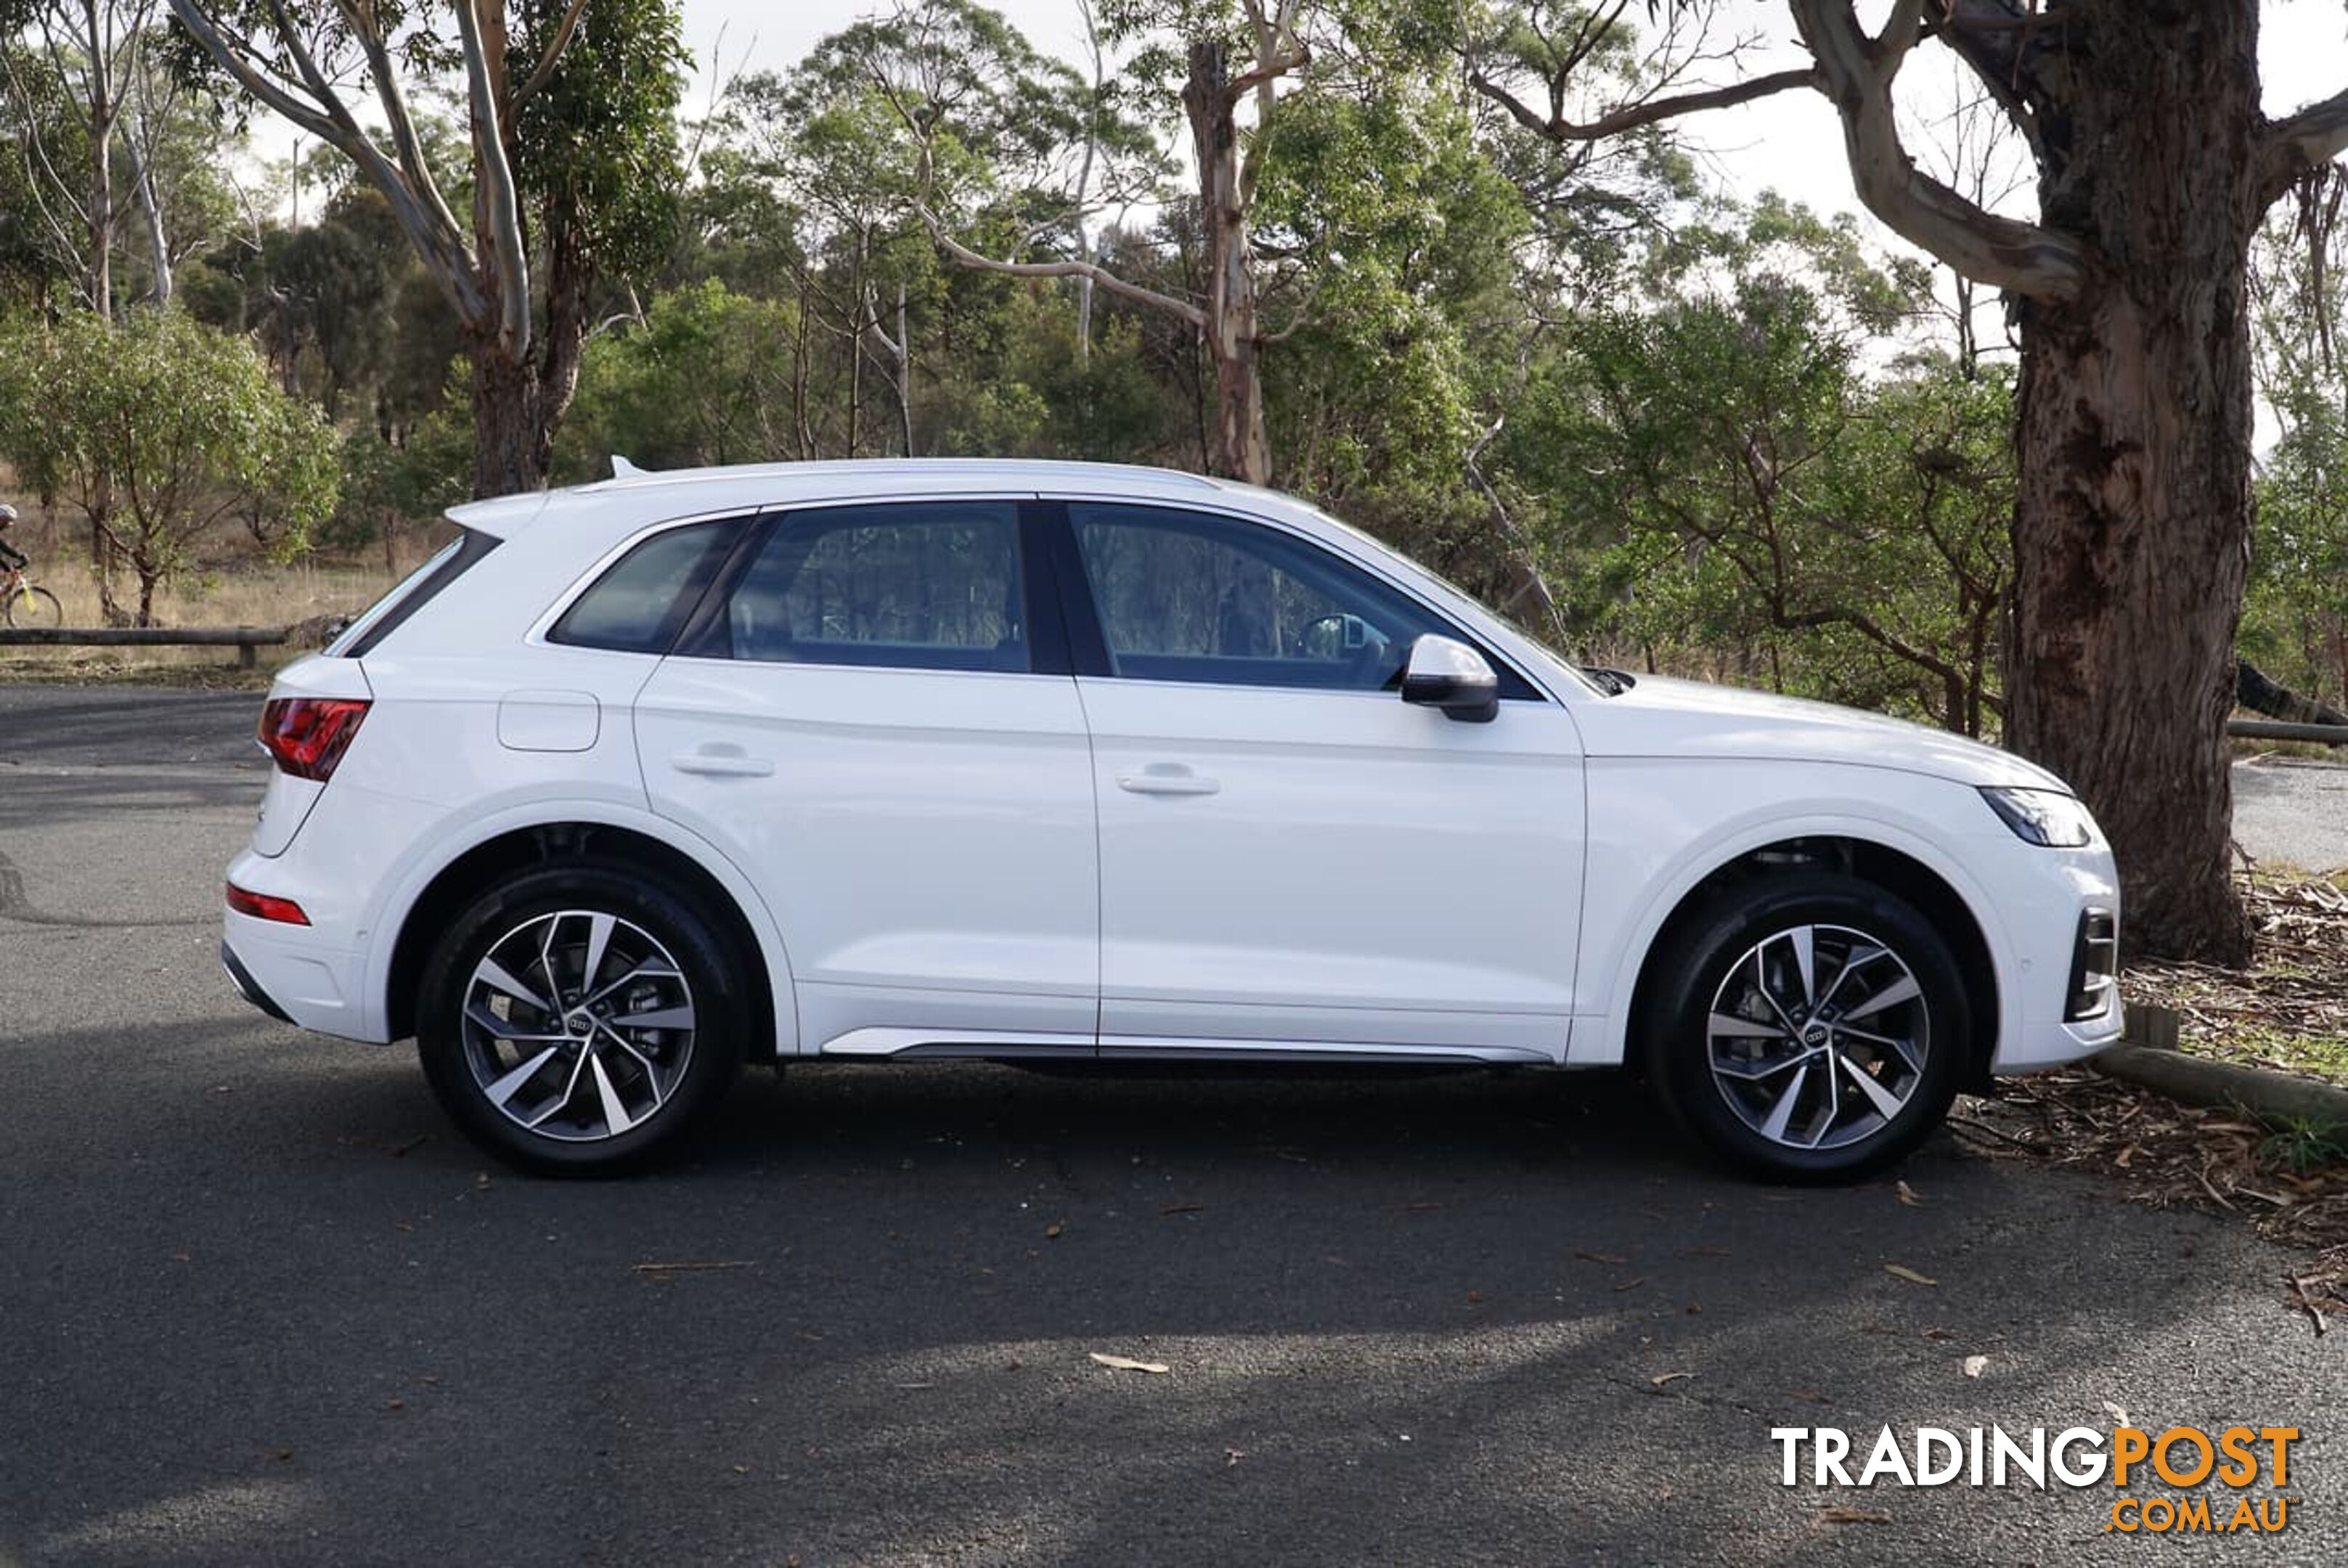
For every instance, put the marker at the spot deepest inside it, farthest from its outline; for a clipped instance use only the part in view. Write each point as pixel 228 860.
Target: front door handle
pixel 722 761
pixel 1166 778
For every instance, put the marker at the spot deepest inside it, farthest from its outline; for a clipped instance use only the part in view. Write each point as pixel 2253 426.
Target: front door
pixel 1289 854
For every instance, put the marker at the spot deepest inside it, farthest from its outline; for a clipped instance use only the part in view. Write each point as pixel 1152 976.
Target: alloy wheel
pixel 1817 1037
pixel 578 1025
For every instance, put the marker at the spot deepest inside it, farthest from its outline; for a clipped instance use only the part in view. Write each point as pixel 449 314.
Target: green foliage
pixel 702 380
pixel 2295 617
pixel 157 430
pixel 597 147
pixel 1746 500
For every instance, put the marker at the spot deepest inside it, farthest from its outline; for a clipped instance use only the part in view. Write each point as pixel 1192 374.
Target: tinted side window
pixel 913 586
pixel 366 634
pixel 640 604
pixel 1184 596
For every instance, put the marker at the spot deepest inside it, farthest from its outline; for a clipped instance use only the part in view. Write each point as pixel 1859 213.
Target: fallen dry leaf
pixel 1901 1271
pixel 1660 1379
pixel 1127 1364
pixel 2119 1413
pixel 1600 1257
pixel 1908 1195
pixel 658 1269
pixel 1975 1366
pixel 1053 1230
pixel 1853 1516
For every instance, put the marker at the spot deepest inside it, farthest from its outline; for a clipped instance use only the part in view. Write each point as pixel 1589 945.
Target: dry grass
pixel 242 594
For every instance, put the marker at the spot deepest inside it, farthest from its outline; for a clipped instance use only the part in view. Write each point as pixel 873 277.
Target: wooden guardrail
pixel 2273 730
pixel 245 640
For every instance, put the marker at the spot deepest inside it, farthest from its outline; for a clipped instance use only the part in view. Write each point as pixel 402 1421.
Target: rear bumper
pixel 247 987
pixel 290 972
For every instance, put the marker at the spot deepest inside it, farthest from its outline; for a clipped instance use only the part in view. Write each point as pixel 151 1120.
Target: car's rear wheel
pixel 580 1019
pixel 1813 1029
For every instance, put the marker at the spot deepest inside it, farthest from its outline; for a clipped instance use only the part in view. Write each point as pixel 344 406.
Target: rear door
pixel 875 717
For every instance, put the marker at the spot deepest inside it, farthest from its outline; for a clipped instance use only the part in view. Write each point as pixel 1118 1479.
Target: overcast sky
pixel 1791 142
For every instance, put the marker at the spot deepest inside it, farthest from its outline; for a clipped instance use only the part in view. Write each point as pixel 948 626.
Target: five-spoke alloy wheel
pixel 1813 1030
pixel 578 1019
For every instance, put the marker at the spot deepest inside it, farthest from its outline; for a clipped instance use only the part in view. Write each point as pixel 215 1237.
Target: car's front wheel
pixel 1810 1028
pixel 579 1019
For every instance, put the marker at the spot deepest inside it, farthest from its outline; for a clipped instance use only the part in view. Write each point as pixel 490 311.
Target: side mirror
pixel 1446 673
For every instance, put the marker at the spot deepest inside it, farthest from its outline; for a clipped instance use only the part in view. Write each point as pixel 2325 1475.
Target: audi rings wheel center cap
pixel 1817 1035
pixel 580 1023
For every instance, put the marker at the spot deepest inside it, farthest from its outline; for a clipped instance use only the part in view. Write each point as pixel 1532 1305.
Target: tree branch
pixel 1101 277
pixel 502 240
pixel 2299 142
pixel 396 113
pixel 236 57
pixel 1264 75
pixel 1630 117
pixel 555 48
pixel 1856 72
pixel 2005 45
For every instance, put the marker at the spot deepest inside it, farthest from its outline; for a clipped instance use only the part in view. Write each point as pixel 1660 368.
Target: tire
pixel 32 606
pixel 1812 1027
pixel 562 1078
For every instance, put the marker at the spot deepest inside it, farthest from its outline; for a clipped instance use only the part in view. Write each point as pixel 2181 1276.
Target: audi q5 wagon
pixel 637 782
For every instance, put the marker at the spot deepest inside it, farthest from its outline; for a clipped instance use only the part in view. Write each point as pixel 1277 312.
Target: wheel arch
pixel 1933 890
pixel 502 848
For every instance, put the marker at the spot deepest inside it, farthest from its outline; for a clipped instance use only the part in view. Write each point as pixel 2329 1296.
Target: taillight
pixel 264 907
pixel 307 736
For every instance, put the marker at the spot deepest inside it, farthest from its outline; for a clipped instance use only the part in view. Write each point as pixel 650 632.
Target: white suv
pixel 636 782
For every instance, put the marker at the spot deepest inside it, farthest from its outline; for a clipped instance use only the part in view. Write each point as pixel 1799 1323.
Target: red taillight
pixel 261 906
pixel 306 736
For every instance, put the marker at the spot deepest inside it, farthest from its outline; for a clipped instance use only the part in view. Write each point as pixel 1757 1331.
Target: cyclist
pixel 11 558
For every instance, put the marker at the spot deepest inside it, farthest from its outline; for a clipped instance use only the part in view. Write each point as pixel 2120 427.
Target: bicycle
pixel 23 604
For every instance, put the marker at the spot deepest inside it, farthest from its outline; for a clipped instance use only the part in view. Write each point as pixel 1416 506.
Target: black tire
pixel 1728 1087
pixel 32 606
pixel 660 954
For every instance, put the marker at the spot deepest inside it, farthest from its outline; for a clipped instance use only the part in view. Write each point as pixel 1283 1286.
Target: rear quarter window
pixel 415 591
pixel 643 600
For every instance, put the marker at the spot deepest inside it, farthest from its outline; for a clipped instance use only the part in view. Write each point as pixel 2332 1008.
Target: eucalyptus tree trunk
pixel 1239 448
pixel 511 442
pixel 2132 523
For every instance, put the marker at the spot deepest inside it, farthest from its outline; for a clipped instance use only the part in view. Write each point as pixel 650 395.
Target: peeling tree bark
pixel 2131 527
pixel 2132 519
pixel 1240 449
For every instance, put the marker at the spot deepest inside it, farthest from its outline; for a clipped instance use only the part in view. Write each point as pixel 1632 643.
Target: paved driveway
pixel 2293 813
pixel 257 1304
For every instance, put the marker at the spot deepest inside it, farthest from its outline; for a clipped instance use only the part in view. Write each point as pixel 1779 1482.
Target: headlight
pixel 2046 816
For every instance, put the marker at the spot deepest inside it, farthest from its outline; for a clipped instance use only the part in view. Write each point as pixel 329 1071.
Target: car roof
pixel 673 492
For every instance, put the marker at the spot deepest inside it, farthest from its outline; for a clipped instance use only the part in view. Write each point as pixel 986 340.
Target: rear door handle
pixel 1166 778
pixel 722 761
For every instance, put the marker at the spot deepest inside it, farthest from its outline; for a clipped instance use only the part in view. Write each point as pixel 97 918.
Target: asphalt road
pixel 259 1305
